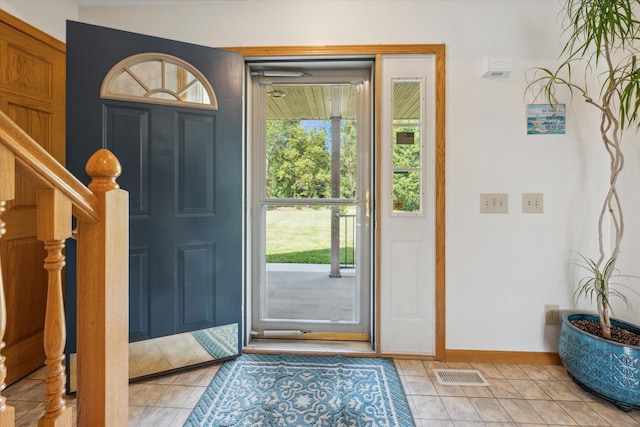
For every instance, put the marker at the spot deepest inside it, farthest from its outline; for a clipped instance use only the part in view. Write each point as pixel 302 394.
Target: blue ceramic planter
pixel 606 368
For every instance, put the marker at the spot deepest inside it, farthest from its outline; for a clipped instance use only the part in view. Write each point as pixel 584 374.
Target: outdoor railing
pixel 348 242
pixel 101 211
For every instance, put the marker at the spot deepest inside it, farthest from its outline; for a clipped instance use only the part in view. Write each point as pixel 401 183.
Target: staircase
pixel 101 211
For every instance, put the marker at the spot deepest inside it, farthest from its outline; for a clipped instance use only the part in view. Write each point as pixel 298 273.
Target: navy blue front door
pixel 182 167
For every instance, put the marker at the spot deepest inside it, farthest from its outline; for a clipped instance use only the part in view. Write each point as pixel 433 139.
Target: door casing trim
pixel 377 51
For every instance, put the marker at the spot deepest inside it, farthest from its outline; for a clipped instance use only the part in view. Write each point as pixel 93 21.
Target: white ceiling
pixel 134 2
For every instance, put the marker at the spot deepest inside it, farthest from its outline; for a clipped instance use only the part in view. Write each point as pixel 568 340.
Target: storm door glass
pixel 313 215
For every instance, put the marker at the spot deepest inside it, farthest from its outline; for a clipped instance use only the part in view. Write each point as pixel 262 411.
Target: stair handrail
pixel 44 171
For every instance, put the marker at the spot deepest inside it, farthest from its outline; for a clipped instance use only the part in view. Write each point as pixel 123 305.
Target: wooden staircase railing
pixel 101 211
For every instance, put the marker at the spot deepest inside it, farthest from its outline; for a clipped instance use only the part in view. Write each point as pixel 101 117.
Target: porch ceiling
pixel 309 102
pixel 314 102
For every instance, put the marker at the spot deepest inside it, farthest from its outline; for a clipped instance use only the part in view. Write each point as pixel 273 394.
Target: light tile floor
pixel 518 395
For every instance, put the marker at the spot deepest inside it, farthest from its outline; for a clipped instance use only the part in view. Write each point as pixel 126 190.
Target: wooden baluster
pixel 103 301
pixel 54 226
pixel 7 192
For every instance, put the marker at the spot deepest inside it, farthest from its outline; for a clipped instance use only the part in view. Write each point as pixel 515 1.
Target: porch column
pixel 336 117
pixel 335 194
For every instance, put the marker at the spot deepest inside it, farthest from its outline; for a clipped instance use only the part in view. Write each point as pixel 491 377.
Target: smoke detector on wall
pixel 496 66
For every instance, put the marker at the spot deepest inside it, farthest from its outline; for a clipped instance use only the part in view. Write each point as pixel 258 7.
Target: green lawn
pixel 302 236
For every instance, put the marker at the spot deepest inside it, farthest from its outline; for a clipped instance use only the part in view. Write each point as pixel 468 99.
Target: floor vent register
pixel 463 377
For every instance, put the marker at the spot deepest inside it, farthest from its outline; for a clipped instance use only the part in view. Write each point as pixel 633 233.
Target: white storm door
pixel 311 234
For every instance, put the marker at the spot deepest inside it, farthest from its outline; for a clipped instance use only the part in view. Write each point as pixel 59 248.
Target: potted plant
pixel 603 37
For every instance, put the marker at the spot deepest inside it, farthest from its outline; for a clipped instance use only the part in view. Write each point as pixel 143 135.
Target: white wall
pixel 47 15
pixel 629 259
pixel 501 269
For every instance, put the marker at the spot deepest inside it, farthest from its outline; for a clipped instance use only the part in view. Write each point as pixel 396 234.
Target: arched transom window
pixel 160 79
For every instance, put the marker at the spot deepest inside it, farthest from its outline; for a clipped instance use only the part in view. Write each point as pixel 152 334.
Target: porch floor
pixel 306 292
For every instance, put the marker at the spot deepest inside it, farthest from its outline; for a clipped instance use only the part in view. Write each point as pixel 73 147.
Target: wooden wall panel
pixel 38 124
pixel 26 73
pixel 32 93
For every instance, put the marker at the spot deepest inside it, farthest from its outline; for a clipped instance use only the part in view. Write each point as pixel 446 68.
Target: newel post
pixel 103 301
pixel 7 192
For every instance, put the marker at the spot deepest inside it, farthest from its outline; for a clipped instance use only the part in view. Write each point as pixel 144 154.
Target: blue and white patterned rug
pixel 221 341
pixel 288 391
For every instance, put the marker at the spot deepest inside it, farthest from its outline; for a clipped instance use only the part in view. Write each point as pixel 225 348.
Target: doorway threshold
pixel 310 347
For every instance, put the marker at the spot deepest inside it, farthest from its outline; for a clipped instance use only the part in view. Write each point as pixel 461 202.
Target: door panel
pixel 128 130
pixel 183 168
pixel 196 165
pixel 196 290
pixel 138 294
pixel 31 94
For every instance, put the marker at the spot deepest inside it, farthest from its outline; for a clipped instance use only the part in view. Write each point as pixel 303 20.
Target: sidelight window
pixel 408 147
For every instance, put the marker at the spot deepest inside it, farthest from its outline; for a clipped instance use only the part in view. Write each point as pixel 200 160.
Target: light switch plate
pixel 532 203
pixel 494 203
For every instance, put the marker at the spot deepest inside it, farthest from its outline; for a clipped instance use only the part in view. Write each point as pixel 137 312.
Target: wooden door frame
pixel 377 51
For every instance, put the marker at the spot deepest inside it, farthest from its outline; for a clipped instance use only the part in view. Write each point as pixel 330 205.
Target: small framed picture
pixel 546 119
